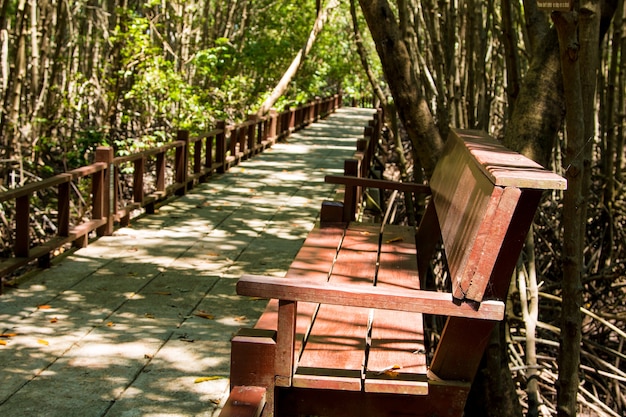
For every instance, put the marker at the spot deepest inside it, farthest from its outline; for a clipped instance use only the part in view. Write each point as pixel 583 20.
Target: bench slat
pixel 505 167
pixel 334 353
pixel 397 339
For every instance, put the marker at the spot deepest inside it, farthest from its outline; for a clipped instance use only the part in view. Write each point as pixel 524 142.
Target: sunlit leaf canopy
pixel 91 72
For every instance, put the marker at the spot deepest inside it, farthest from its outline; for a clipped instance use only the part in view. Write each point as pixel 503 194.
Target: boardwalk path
pixel 125 326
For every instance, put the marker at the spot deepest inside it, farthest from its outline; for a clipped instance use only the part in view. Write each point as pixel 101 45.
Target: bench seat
pixel 351 347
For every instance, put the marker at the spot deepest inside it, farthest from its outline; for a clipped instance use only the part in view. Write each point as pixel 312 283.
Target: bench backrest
pixel 484 197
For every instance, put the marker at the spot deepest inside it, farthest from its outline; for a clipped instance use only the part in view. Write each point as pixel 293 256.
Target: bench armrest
pixel 374 183
pixel 356 295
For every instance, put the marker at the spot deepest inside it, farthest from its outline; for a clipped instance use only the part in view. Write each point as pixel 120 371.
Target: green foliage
pixel 124 81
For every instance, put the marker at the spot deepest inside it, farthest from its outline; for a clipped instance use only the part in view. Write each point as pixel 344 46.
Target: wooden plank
pixel 417 301
pixel 489 243
pixel 397 360
pixel 503 166
pixel 462 195
pixel 374 183
pixel 244 401
pixel 334 352
pixel 285 338
pixel 463 341
pixel 460 349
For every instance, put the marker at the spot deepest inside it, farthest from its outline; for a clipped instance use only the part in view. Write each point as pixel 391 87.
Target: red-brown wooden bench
pixel 343 333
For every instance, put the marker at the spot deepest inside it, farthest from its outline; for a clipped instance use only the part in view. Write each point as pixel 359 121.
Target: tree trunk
pixel 4 73
pixel 412 109
pixel 490 395
pixel 511 55
pixel 358 40
pixel 619 157
pixel 573 222
pixel 538 112
pixel 14 92
pixel 529 300
pixel 282 85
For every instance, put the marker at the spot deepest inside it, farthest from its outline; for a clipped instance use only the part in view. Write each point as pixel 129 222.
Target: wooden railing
pixel 157 174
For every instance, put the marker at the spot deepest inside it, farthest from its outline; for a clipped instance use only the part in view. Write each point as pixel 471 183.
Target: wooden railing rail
pixel 157 173
pixel 22 250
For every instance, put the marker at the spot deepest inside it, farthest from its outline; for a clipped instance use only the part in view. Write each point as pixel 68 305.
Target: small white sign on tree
pixel 554 5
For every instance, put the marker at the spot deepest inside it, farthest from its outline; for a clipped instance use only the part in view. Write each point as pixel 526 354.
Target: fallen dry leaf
pixel 3 342
pixel 54 320
pixel 110 324
pixel 185 339
pixel 241 318
pixel 206 378
pixel 43 342
pixel 44 307
pixel 204 315
pixel 395 239
pixel 390 370
pixel 7 335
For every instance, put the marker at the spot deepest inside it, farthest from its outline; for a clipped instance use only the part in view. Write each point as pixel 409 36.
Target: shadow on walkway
pixel 139 323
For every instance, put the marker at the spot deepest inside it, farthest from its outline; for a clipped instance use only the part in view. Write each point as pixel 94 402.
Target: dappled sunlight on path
pixel 139 323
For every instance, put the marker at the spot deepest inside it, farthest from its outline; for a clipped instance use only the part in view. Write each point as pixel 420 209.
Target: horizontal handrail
pixel 367 296
pixel 188 159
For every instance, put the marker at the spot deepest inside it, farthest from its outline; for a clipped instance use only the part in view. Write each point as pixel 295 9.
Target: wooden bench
pixel 343 333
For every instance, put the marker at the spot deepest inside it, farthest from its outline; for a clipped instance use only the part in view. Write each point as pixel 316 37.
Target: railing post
pixel 197 157
pixel 253 135
pixel 63 208
pixel 220 147
pixel 103 188
pixel 318 108
pixel 273 120
pixel 242 143
pixel 208 154
pixel 350 168
pixel 22 226
pixel 292 120
pixel 250 136
pixel 139 169
pixel 182 156
pixel 161 166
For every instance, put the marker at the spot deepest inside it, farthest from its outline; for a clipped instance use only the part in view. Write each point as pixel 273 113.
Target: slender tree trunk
pixel 511 54
pixel 619 157
pixel 14 93
pixel 358 40
pixel 529 299
pixel 34 51
pixel 573 220
pixel 282 85
pixel 4 73
pixel 611 117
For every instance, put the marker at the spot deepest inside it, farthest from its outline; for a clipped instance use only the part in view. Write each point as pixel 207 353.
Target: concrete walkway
pixel 139 323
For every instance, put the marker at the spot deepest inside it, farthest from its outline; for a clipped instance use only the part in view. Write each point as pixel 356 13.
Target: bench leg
pixel 252 363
